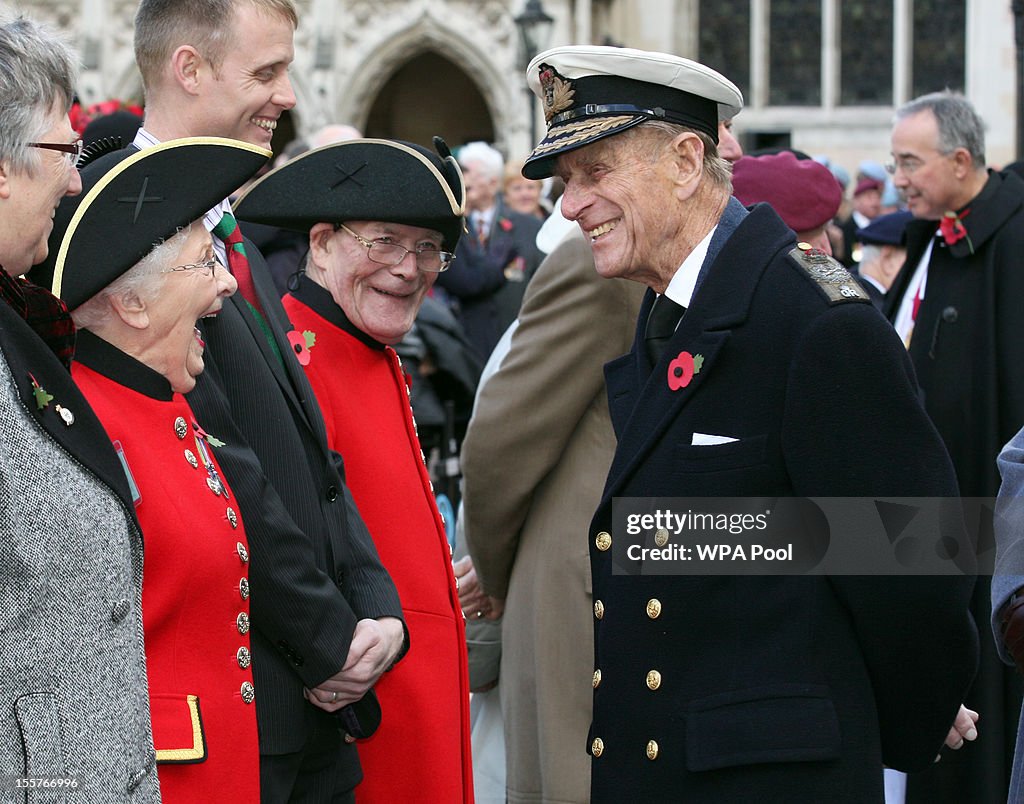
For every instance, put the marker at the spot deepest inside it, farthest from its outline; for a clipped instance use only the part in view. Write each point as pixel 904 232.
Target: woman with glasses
pixel 72 666
pixel 383 218
pixel 137 268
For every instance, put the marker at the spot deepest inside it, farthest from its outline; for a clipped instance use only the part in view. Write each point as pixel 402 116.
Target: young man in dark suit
pixel 326 617
pixel 780 381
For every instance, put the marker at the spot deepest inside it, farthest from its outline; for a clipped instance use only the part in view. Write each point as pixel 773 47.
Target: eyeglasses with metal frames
pixel 909 164
pixel 206 267
pixel 428 258
pixel 72 149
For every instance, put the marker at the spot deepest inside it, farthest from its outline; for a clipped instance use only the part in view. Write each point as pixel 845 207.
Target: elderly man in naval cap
pixel 759 369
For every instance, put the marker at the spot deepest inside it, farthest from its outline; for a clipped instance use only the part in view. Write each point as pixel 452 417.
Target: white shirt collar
pixel 680 287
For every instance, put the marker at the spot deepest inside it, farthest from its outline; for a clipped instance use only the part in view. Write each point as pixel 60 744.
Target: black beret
pixel 133 200
pixel 362 180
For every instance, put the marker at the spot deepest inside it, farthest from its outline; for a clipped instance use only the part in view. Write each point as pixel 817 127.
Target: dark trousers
pixel 318 774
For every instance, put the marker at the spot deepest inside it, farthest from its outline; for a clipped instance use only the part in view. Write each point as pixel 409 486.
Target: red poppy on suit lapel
pixel 952 228
pixel 505 224
pixel 682 369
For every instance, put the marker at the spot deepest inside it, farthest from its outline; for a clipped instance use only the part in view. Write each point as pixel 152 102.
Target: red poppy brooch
pixel 952 228
pixel 682 369
pixel 301 343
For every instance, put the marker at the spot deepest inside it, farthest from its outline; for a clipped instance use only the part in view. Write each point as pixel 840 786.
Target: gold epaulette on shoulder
pixel 830 276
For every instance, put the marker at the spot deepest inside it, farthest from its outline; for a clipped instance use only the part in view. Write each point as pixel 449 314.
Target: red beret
pixel 866 184
pixel 803 192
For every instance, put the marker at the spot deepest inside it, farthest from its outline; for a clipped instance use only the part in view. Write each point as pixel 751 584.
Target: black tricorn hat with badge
pixel 362 180
pixel 133 200
pixel 594 91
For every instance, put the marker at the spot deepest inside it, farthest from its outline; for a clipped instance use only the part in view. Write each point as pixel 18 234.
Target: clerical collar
pixel 319 300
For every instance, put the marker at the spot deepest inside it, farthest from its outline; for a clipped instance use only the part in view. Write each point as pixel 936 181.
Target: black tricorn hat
pixel 362 180
pixel 133 200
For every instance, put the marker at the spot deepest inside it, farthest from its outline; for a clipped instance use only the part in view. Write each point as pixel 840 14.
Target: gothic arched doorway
pixel 430 95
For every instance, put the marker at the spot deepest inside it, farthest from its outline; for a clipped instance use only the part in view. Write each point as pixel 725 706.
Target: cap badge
pixel 558 91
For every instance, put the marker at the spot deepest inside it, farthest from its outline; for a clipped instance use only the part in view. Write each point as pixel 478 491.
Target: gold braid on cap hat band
pixel 582 131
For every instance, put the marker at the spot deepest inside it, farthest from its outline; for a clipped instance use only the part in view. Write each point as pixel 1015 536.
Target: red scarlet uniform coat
pixel 425 699
pixel 195 588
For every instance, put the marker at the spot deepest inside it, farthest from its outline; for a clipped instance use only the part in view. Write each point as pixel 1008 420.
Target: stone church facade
pixel 414 68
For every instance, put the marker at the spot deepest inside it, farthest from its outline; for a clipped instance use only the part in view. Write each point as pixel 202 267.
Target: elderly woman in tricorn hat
pixel 137 268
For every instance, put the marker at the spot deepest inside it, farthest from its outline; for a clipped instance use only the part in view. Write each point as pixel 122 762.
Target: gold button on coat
pixel 661 537
pixel 654 608
pixel 597 747
pixel 603 541
pixel 652 749
pixel 597 678
pixel 653 680
pixel 598 609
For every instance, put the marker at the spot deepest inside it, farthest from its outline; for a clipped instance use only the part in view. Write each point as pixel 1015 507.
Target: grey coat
pixel 73 694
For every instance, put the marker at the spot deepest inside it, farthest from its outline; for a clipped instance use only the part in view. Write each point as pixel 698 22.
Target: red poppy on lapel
pixel 952 228
pixel 301 343
pixel 505 224
pixel 682 369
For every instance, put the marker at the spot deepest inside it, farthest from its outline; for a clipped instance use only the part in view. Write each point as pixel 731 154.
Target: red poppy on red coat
pixel 298 343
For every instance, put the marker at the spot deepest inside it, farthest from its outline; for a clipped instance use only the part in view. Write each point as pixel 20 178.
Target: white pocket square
pixel 707 440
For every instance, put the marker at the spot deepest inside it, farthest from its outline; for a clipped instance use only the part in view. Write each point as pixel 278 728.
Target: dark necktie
pixel 661 324
pixel 228 231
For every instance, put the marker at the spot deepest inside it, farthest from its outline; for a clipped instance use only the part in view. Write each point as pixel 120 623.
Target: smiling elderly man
pixel 711 689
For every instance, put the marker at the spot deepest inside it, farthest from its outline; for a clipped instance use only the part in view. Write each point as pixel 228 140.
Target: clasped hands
pixel 374 646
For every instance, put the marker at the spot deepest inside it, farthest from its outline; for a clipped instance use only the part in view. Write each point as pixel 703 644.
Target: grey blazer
pixel 73 695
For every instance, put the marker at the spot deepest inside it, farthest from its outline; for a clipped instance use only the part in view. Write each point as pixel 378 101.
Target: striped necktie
pixel 228 231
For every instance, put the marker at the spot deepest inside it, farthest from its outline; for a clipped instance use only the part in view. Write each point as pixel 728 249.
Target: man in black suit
pixel 326 617
pixel 492 265
pixel 779 381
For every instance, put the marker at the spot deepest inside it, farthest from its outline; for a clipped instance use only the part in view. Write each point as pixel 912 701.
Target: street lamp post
pixel 534 34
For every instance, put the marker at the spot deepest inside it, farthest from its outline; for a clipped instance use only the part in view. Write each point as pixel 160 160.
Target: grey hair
pixel 37 71
pixel 482 154
pixel 960 126
pixel 870 253
pixel 718 170
pixel 162 26
pixel 145 279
